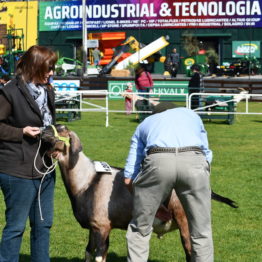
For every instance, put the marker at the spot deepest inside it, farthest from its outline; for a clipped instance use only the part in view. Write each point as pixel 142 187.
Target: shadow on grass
pixel 26 258
pixel 112 257
pixel 214 122
pixel 257 121
pixel 134 120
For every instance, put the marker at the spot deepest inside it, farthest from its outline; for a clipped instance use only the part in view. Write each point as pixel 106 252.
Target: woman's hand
pixel 31 131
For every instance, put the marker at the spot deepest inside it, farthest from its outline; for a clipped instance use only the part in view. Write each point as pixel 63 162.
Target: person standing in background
pixel 128 98
pixel 27 103
pixel 143 80
pixel 144 84
pixel 172 63
pixel 96 56
pixel 4 70
pixel 194 86
pixel 3 80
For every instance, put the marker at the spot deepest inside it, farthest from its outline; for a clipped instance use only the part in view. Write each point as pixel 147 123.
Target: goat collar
pixel 61 138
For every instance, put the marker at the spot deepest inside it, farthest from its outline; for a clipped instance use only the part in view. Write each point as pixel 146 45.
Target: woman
pixel 26 104
pixel 194 85
pixel 143 81
pixel 128 98
pixel 144 84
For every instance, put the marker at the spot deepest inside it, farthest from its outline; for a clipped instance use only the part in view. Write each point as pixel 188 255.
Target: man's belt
pixel 155 150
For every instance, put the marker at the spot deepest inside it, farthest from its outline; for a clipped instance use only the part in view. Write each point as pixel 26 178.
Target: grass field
pixel 236 173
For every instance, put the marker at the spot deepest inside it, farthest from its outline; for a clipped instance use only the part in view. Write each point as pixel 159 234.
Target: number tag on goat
pixel 102 167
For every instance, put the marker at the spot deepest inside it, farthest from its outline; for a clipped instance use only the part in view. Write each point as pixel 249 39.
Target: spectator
pixel 144 84
pixel 96 56
pixel 172 63
pixel 3 67
pixel 194 86
pixel 212 61
pixel 169 150
pixel 128 98
pixel 3 80
pixel 26 104
pixel 143 80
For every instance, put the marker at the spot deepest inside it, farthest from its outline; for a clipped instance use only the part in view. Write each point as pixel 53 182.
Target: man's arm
pixel 134 159
pixel 205 147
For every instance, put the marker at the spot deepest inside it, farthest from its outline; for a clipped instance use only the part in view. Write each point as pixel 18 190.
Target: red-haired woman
pixel 26 104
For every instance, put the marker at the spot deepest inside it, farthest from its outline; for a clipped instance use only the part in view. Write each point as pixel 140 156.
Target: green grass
pixel 236 173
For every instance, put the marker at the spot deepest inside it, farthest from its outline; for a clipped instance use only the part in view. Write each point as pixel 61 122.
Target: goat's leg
pixel 181 220
pixel 90 248
pixel 102 244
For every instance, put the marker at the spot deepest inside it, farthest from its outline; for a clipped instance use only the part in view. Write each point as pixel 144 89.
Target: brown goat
pixel 101 201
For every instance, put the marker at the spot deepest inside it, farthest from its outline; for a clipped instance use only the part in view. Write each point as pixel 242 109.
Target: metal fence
pixel 220 100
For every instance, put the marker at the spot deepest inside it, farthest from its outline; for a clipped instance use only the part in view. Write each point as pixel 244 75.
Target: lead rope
pixel 49 170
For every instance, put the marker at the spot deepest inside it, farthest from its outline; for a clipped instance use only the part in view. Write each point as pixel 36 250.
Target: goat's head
pixel 59 140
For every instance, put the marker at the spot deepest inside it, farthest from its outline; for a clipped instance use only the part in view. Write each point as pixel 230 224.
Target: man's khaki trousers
pixel 188 174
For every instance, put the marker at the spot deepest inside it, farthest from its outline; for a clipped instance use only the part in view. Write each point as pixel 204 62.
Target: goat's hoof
pixel 88 257
pixel 99 259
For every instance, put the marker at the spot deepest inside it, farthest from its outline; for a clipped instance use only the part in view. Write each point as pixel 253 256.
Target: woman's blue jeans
pixel 145 90
pixel 21 200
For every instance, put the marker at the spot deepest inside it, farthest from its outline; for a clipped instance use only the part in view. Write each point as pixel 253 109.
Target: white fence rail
pixel 154 98
pixel 235 98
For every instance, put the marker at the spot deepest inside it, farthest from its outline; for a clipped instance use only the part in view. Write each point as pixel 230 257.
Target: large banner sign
pixel 163 90
pixel 21 16
pixel 130 14
pixel 246 48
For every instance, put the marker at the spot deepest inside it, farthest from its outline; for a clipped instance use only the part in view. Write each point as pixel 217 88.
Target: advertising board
pixel 246 48
pixel 165 90
pixel 126 14
pixel 21 15
pixel 66 85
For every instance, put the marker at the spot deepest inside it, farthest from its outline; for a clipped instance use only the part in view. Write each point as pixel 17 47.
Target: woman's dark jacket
pixel 18 110
pixel 194 83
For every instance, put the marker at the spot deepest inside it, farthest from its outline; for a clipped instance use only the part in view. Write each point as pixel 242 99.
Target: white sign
pixel 66 85
pixel 92 43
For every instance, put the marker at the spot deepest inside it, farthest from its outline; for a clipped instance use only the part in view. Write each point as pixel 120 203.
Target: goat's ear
pixel 75 144
pixel 75 148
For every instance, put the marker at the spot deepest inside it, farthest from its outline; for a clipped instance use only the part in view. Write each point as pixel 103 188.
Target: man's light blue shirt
pixel 178 127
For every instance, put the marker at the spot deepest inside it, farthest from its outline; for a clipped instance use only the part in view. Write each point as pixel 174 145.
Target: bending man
pixel 169 150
